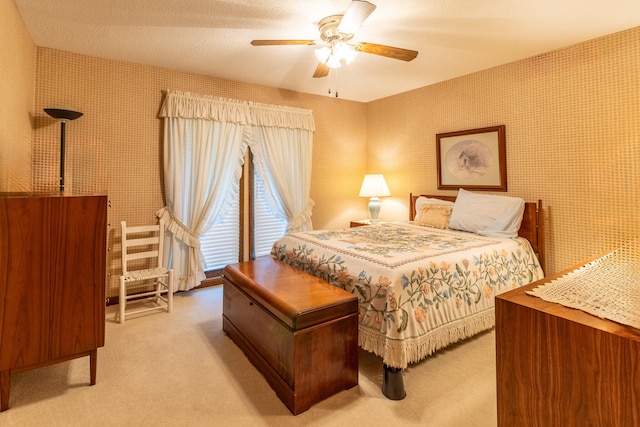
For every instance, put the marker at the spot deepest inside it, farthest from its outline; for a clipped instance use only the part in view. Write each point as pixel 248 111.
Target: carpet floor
pixel 180 369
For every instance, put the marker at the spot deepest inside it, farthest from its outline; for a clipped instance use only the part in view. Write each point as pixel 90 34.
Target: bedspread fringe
pixel 400 353
pixel 371 341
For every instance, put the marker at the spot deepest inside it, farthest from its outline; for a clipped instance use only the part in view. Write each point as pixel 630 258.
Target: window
pixel 221 244
pixel 267 228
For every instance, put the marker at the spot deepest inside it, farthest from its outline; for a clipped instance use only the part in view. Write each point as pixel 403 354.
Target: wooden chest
pixel 299 331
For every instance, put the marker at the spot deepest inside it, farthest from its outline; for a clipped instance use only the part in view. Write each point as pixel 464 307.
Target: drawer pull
pixel 250 302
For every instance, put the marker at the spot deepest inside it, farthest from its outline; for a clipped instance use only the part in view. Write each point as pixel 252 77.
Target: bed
pixel 421 285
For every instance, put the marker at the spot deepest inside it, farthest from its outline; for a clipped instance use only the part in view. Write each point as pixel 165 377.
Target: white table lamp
pixel 374 186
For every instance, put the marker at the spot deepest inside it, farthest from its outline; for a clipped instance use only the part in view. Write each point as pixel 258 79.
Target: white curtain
pixel 205 139
pixel 282 149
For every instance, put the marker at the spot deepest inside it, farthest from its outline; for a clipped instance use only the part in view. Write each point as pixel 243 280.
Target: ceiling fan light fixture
pixel 323 53
pixel 335 55
pixel 345 52
pixel 327 56
pixel 333 61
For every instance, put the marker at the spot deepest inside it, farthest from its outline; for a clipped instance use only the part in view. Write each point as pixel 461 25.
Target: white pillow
pixel 487 215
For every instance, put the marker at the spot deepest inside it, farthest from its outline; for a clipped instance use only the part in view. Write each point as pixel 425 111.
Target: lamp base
pixel 374 208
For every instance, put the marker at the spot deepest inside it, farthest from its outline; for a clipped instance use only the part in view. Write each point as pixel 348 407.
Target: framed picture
pixel 474 159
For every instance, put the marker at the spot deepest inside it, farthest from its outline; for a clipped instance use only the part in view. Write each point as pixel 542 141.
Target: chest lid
pixel 298 299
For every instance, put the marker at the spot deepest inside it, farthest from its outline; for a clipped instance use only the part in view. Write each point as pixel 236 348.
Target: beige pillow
pixel 433 215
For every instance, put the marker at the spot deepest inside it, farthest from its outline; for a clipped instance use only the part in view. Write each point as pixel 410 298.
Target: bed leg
pixel 392 383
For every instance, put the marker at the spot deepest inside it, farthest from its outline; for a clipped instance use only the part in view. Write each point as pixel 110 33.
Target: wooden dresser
pixel 52 281
pixel 558 366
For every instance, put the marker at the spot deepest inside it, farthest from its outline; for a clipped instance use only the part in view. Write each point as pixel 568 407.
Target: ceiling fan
pixel 336 32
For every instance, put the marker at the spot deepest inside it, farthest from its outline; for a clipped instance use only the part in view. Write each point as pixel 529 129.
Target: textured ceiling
pixel 453 37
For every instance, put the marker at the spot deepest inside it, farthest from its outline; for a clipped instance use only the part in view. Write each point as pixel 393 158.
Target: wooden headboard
pixel 531 228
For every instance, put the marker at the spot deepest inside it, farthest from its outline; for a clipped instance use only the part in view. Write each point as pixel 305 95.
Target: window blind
pixel 267 228
pixel 220 245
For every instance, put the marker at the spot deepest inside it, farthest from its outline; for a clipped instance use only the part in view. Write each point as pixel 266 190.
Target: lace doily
pixel 608 287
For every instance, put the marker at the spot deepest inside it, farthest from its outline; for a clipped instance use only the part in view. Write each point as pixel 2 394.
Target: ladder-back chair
pixel 143 271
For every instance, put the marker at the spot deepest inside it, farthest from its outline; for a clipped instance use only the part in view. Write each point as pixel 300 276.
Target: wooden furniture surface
pixel 52 281
pixel 531 228
pixel 557 366
pixel 299 331
pixel 359 223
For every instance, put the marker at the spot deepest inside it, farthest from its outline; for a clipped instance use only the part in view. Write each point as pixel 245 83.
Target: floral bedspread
pixel 419 288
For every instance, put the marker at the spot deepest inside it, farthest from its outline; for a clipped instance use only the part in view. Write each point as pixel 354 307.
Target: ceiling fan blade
pixel 322 70
pixel 388 51
pixel 358 11
pixel 282 42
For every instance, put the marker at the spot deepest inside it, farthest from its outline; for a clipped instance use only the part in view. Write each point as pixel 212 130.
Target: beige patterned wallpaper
pixel 116 146
pixel 572 121
pixel 17 68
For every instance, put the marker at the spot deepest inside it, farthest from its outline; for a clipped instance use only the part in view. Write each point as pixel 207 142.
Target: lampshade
pixel 333 61
pixel 323 53
pixel 59 114
pixel 374 185
pixel 63 116
pixel 345 52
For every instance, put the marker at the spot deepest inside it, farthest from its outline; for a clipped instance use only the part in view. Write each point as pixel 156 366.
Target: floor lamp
pixel 63 116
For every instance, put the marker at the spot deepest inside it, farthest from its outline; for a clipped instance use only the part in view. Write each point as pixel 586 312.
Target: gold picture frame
pixel 473 159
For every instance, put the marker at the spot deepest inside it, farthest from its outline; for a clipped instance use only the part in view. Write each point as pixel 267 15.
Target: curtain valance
pixel 208 107
pixel 186 105
pixel 281 117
